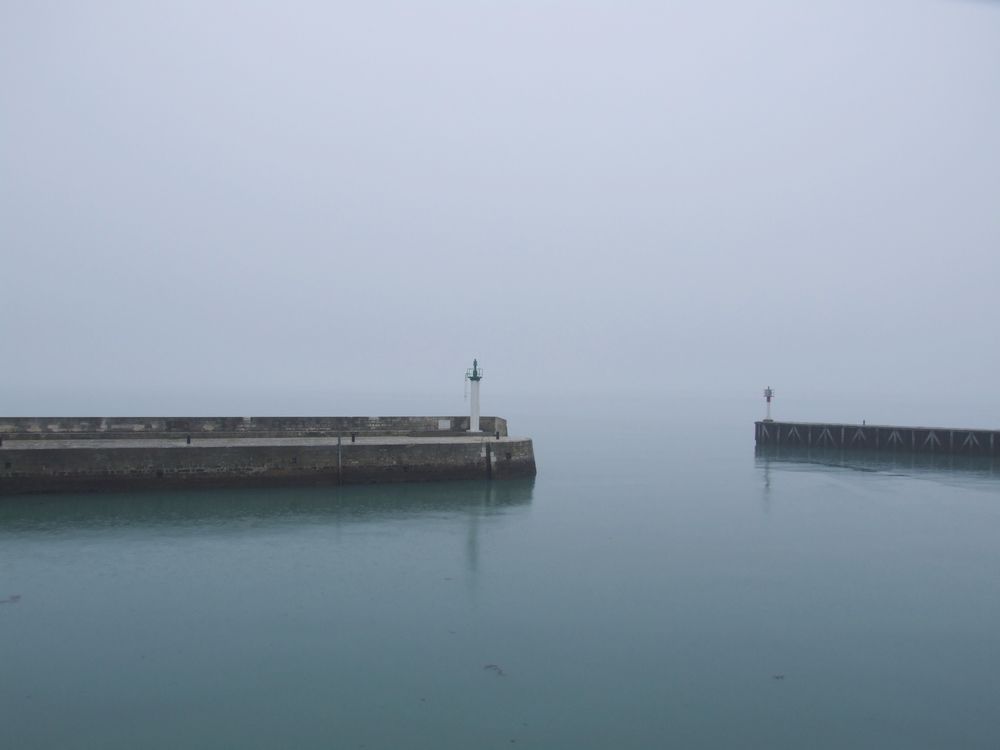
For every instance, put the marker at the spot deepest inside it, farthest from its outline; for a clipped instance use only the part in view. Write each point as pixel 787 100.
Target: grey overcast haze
pixel 207 206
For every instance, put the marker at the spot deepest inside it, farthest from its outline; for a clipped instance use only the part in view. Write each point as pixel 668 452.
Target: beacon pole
pixel 474 376
pixel 768 395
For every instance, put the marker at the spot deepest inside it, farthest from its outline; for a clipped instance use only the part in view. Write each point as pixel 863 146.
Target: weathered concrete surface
pixel 878 438
pixel 73 460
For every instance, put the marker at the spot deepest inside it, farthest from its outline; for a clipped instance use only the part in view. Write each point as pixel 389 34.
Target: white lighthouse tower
pixel 474 376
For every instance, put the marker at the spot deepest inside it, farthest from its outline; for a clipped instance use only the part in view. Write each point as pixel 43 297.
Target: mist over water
pixel 657 584
pixel 636 215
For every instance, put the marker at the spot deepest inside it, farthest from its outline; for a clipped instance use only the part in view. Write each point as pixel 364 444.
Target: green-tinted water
pixel 645 591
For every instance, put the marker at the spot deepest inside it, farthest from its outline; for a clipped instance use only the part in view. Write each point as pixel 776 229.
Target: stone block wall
pixel 119 427
pixel 97 468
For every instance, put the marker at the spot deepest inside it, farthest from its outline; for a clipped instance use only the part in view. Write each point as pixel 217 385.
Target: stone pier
pixel 124 453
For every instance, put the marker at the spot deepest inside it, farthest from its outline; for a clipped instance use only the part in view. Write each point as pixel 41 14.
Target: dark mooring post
pixel 189 440
pixel 353 436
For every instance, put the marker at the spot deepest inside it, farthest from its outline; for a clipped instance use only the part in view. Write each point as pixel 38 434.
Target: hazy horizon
pixel 345 202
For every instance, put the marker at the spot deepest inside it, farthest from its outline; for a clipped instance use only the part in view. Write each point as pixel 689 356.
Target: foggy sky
pixel 606 197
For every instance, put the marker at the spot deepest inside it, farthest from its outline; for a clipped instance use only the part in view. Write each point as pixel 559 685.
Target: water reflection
pixel 327 504
pixel 766 495
pixel 910 464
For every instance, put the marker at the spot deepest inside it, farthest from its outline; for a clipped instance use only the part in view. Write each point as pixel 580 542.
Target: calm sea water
pixel 657 585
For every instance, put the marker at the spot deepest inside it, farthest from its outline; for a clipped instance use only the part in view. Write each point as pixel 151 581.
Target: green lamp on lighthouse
pixel 474 375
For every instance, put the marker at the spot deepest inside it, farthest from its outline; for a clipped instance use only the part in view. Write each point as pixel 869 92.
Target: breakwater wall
pixel 77 461
pixel 877 438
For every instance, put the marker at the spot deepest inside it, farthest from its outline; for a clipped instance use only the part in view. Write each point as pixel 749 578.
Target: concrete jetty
pixel 877 438
pixel 74 454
